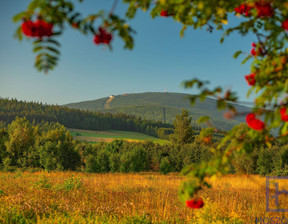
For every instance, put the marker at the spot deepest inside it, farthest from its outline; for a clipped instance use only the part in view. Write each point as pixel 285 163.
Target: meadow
pixel 74 197
pixel 109 136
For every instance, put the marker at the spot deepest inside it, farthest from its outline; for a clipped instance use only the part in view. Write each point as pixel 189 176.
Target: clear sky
pixel 160 61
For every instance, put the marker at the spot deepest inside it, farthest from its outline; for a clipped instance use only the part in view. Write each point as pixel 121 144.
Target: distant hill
pixel 151 106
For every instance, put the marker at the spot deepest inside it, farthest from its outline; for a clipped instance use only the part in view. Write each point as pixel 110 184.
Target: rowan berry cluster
pixel 103 37
pixel 254 123
pixel 39 28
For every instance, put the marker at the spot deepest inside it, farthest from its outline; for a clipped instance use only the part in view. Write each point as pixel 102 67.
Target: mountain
pixel 161 106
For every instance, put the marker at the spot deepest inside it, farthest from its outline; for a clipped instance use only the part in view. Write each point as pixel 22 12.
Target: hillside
pixel 75 118
pixel 150 106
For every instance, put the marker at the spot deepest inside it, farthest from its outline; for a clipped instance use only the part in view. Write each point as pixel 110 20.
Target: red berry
pixel 253 45
pixel 285 24
pixel 27 28
pixel 97 39
pixel 250 79
pixel 283 111
pixel 284 115
pixel 195 203
pixel 253 52
pixel 259 51
pixel 164 13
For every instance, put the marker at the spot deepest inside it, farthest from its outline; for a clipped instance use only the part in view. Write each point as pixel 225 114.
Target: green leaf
pixel 18 16
pixel 203 119
pixel 246 59
pixel 55 42
pixel 38 48
pixel 221 104
pixel 53 50
pixel 183 30
pixel 236 54
pixel 18 33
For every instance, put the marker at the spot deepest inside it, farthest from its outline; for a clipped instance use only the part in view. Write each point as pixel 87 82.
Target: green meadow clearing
pixel 108 136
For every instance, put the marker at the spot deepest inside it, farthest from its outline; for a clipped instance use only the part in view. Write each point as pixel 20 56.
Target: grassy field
pixel 108 136
pixel 70 197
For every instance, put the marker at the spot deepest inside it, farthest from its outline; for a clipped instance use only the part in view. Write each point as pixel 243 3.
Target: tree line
pixel 50 146
pixel 78 119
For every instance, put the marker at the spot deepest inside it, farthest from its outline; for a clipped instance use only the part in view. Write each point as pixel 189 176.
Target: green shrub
pixel 165 166
pixel 268 160
pixel 43 183
pixel 91 165
pixel 246 163
pixel 138 160
pixel 70 184
pixel 103 161
pixel 125 161
pixel 114 162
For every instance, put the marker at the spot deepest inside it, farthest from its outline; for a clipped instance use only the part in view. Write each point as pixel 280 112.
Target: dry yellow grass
pixel 126 198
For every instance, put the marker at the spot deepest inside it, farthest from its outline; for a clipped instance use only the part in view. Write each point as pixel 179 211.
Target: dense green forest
pixel 151 106
pixel 78 119
pixel 50 146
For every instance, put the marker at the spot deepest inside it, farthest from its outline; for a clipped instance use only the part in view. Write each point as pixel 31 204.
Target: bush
pixel 165 166
pixel 114 162
pixel 43 183
pixel 70 184
pixel 91 164
pixel 268 160
pixel 138 160
pixel 246 163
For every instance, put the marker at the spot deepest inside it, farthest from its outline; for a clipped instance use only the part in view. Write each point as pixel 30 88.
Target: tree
pixel 21 138
pixel 183 132
pixel 266 19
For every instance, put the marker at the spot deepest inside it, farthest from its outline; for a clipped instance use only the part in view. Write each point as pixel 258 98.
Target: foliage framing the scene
pixel 267 20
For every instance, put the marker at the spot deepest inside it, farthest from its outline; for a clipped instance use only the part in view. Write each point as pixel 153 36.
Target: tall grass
pixel 70 197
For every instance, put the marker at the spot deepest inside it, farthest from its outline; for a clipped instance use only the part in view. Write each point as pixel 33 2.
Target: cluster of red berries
pixel 257 51
pixel 254 123
pixel 264 9
pixel 250 79
pixel 103 37
pixel 195 203
pixel 243 9
pixel 39 28
pixel 284 115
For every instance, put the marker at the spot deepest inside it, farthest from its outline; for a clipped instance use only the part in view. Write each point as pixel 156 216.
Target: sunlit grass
pixel 70 197
pixel 108 136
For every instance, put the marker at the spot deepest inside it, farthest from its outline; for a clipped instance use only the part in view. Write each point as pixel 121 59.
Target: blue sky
pixel 160 60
